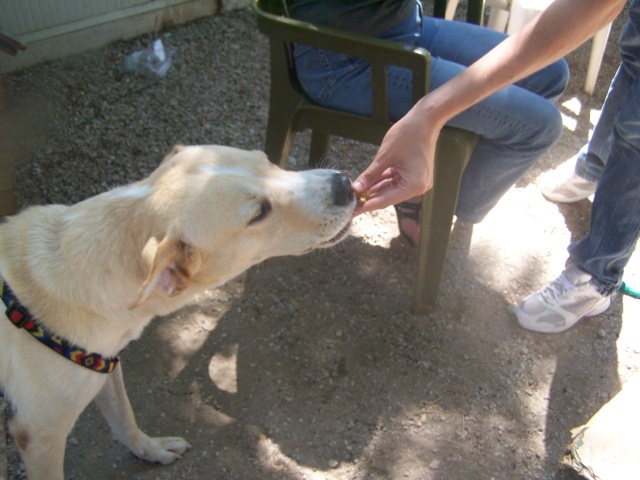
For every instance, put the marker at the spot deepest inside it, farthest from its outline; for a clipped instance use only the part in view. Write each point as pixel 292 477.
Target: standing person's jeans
pixel 516 125
pixel 594 155
pixel 615 215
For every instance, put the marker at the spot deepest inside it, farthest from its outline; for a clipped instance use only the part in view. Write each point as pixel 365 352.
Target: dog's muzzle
pixel 341 196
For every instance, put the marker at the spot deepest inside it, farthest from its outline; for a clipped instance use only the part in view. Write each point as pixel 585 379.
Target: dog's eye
pixel 265 209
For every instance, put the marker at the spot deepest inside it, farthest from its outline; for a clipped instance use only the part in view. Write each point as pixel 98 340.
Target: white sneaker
pixel 572 190
pixel 563 302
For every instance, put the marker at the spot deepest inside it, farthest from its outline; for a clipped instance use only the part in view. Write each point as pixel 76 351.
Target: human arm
pixel 403 166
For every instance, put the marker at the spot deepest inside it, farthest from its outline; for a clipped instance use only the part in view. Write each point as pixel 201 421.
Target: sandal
pixel 408 211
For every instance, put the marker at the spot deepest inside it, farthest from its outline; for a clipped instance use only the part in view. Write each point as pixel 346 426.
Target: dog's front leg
pixel 42 449
pixel 116 409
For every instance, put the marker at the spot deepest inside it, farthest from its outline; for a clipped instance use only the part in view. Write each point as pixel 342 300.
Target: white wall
pixel 55 28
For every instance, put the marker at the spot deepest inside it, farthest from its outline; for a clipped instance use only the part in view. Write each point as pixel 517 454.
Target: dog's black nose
pixel 341 189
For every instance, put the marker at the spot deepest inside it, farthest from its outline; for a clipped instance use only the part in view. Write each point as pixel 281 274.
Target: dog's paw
pixel 164 450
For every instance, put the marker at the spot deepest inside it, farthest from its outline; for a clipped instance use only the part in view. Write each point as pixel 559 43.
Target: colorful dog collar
pixel 21 318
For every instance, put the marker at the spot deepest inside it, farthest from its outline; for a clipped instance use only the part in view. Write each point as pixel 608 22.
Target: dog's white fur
pixel 95 273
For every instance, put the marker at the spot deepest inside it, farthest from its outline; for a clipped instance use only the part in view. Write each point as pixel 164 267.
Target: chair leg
pixel 438 208
pixel 320 142
pixel 598 45
pixel 279 137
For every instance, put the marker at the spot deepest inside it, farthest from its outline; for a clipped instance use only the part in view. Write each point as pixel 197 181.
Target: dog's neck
pixel 105 235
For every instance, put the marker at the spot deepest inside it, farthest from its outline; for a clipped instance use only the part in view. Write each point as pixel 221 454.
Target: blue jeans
pixel 594 155
pixel 615 215
pixel 516 124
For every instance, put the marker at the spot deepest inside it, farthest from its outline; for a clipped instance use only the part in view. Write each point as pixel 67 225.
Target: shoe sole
pixel 563 199
pixel 597 309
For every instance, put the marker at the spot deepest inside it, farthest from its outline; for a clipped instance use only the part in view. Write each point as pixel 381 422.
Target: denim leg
pixel 593 156
pixel 588 165
pixel 516 128
pixel 615 216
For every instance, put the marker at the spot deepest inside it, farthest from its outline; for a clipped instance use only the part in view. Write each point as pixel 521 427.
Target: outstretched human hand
pixel 402 167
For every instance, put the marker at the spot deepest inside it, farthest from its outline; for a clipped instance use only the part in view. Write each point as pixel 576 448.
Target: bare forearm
pixel 564 26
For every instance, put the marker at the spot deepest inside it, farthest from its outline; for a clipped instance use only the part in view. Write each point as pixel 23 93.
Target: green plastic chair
pixel 291 111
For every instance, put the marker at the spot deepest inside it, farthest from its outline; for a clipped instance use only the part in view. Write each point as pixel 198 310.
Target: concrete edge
pixel 97 36
pixel 4 463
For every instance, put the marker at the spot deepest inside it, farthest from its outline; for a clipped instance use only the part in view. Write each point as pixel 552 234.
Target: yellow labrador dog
pixel 80 282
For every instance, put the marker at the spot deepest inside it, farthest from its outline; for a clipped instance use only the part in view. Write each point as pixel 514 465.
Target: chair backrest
pixel 280 9
pixel 272 21
pixel 475 10
pixel 276 7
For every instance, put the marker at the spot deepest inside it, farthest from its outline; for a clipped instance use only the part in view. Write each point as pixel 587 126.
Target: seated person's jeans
pixel 516 124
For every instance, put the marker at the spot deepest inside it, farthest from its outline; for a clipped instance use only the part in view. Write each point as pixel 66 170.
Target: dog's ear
pixel 175 150
pixel 174 264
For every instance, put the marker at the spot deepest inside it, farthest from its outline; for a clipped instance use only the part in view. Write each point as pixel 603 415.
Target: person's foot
pixel 574 189
pixel 562 303
pixel 408 215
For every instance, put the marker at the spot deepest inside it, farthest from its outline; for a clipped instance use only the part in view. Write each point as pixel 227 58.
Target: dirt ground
pixel 313 367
